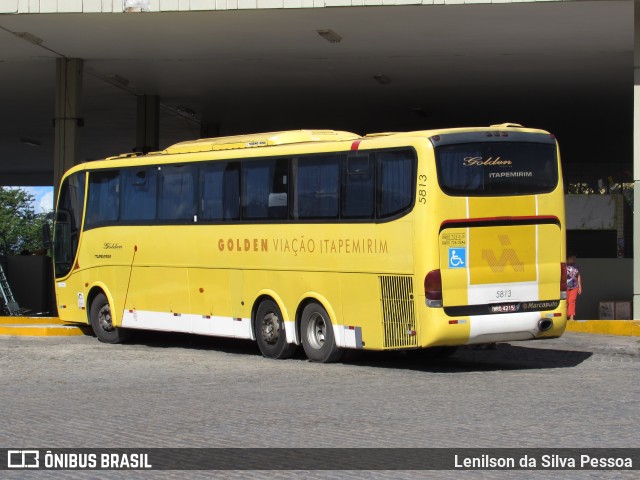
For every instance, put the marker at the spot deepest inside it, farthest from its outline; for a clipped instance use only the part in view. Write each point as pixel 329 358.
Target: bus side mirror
pixel 46 231
pixel 46 236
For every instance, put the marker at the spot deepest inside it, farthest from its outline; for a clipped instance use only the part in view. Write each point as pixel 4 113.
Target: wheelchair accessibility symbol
pixel 457 258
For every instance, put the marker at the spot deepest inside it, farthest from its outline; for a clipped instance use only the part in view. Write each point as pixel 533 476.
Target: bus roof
pixel 260 140
pixel 291 137
pixel 307 136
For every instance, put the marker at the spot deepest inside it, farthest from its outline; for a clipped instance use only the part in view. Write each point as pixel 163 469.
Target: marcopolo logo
pixel 23 458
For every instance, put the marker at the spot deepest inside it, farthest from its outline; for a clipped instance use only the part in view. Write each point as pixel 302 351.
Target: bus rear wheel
pixel 270 332
pixel 318 340
pixel 102 321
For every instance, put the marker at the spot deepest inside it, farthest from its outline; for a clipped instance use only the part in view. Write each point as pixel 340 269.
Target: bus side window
pixel 265 187
pixel 395 182
pixel 231 195
pixel 317 187
pixel 177 193
pixel 358 187
pixel 103 203
pixel 220 191
pixel 139 186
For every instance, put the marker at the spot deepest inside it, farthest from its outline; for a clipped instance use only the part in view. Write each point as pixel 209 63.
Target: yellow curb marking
pixel 626 328
pixel 31 321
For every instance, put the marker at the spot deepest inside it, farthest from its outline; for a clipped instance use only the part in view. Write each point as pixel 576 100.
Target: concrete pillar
pixel 67 116
pixel 148 124
pixel 636 163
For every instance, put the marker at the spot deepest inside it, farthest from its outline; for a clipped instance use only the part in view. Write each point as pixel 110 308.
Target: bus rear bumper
pixel 513 326
pixel 442 329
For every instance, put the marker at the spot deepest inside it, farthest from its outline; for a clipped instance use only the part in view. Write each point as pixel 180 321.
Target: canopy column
pixel 67 116
pixel 636 163
pixel 148 124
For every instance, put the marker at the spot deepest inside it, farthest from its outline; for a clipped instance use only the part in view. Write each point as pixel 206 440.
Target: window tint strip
pixel 334 187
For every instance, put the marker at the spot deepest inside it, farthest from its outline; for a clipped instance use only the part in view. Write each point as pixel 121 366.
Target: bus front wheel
pixel 318 339
pixel 270 333
pixel 102 321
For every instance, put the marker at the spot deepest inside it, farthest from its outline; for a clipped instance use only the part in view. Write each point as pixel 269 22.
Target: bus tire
pixel 270 332
pixel 101 322
pixel 318 340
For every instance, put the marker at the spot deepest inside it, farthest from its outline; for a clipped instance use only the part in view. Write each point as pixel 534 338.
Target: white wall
pixel 590 212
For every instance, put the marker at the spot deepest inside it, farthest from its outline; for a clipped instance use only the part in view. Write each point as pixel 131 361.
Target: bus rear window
pixel 497 168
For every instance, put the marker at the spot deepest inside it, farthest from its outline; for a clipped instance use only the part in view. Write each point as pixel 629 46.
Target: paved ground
pixel 182 391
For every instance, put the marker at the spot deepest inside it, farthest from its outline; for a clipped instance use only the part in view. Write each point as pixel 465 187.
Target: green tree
pixel 20 226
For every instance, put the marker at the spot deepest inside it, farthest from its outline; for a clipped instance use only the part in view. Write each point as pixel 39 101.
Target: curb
pixel 625 328
pixel 40 327
pixel 41 331
pixel 31 321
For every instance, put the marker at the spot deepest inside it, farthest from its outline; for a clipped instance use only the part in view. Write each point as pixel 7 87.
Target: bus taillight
pixel 433 289
pixel 563 281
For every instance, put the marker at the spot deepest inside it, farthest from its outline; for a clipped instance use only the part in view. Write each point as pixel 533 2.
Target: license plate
pixel 504 308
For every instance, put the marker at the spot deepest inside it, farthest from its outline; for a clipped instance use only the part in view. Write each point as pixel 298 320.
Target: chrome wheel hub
pixel 316 331
pixel 270 328
pixel 104 318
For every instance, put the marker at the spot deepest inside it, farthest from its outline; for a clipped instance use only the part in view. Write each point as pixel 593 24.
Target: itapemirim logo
pixel 508 256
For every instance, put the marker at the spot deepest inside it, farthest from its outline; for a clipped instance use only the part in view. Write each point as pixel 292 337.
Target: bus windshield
pixel 497 168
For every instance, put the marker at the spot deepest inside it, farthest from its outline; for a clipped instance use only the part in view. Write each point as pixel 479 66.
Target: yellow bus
pixel 325 239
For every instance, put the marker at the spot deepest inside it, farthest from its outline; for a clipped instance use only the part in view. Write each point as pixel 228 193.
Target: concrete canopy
pixel 563 66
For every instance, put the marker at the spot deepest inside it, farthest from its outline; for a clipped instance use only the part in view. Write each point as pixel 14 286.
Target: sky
pixel 43 198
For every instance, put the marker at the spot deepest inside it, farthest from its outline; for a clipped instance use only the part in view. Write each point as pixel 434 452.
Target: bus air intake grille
pixel 398 316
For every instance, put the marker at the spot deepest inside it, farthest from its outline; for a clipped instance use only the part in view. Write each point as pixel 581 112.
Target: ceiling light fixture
pixel 382 79
pixel 329 35
pixel 185 111
pixel 30 142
